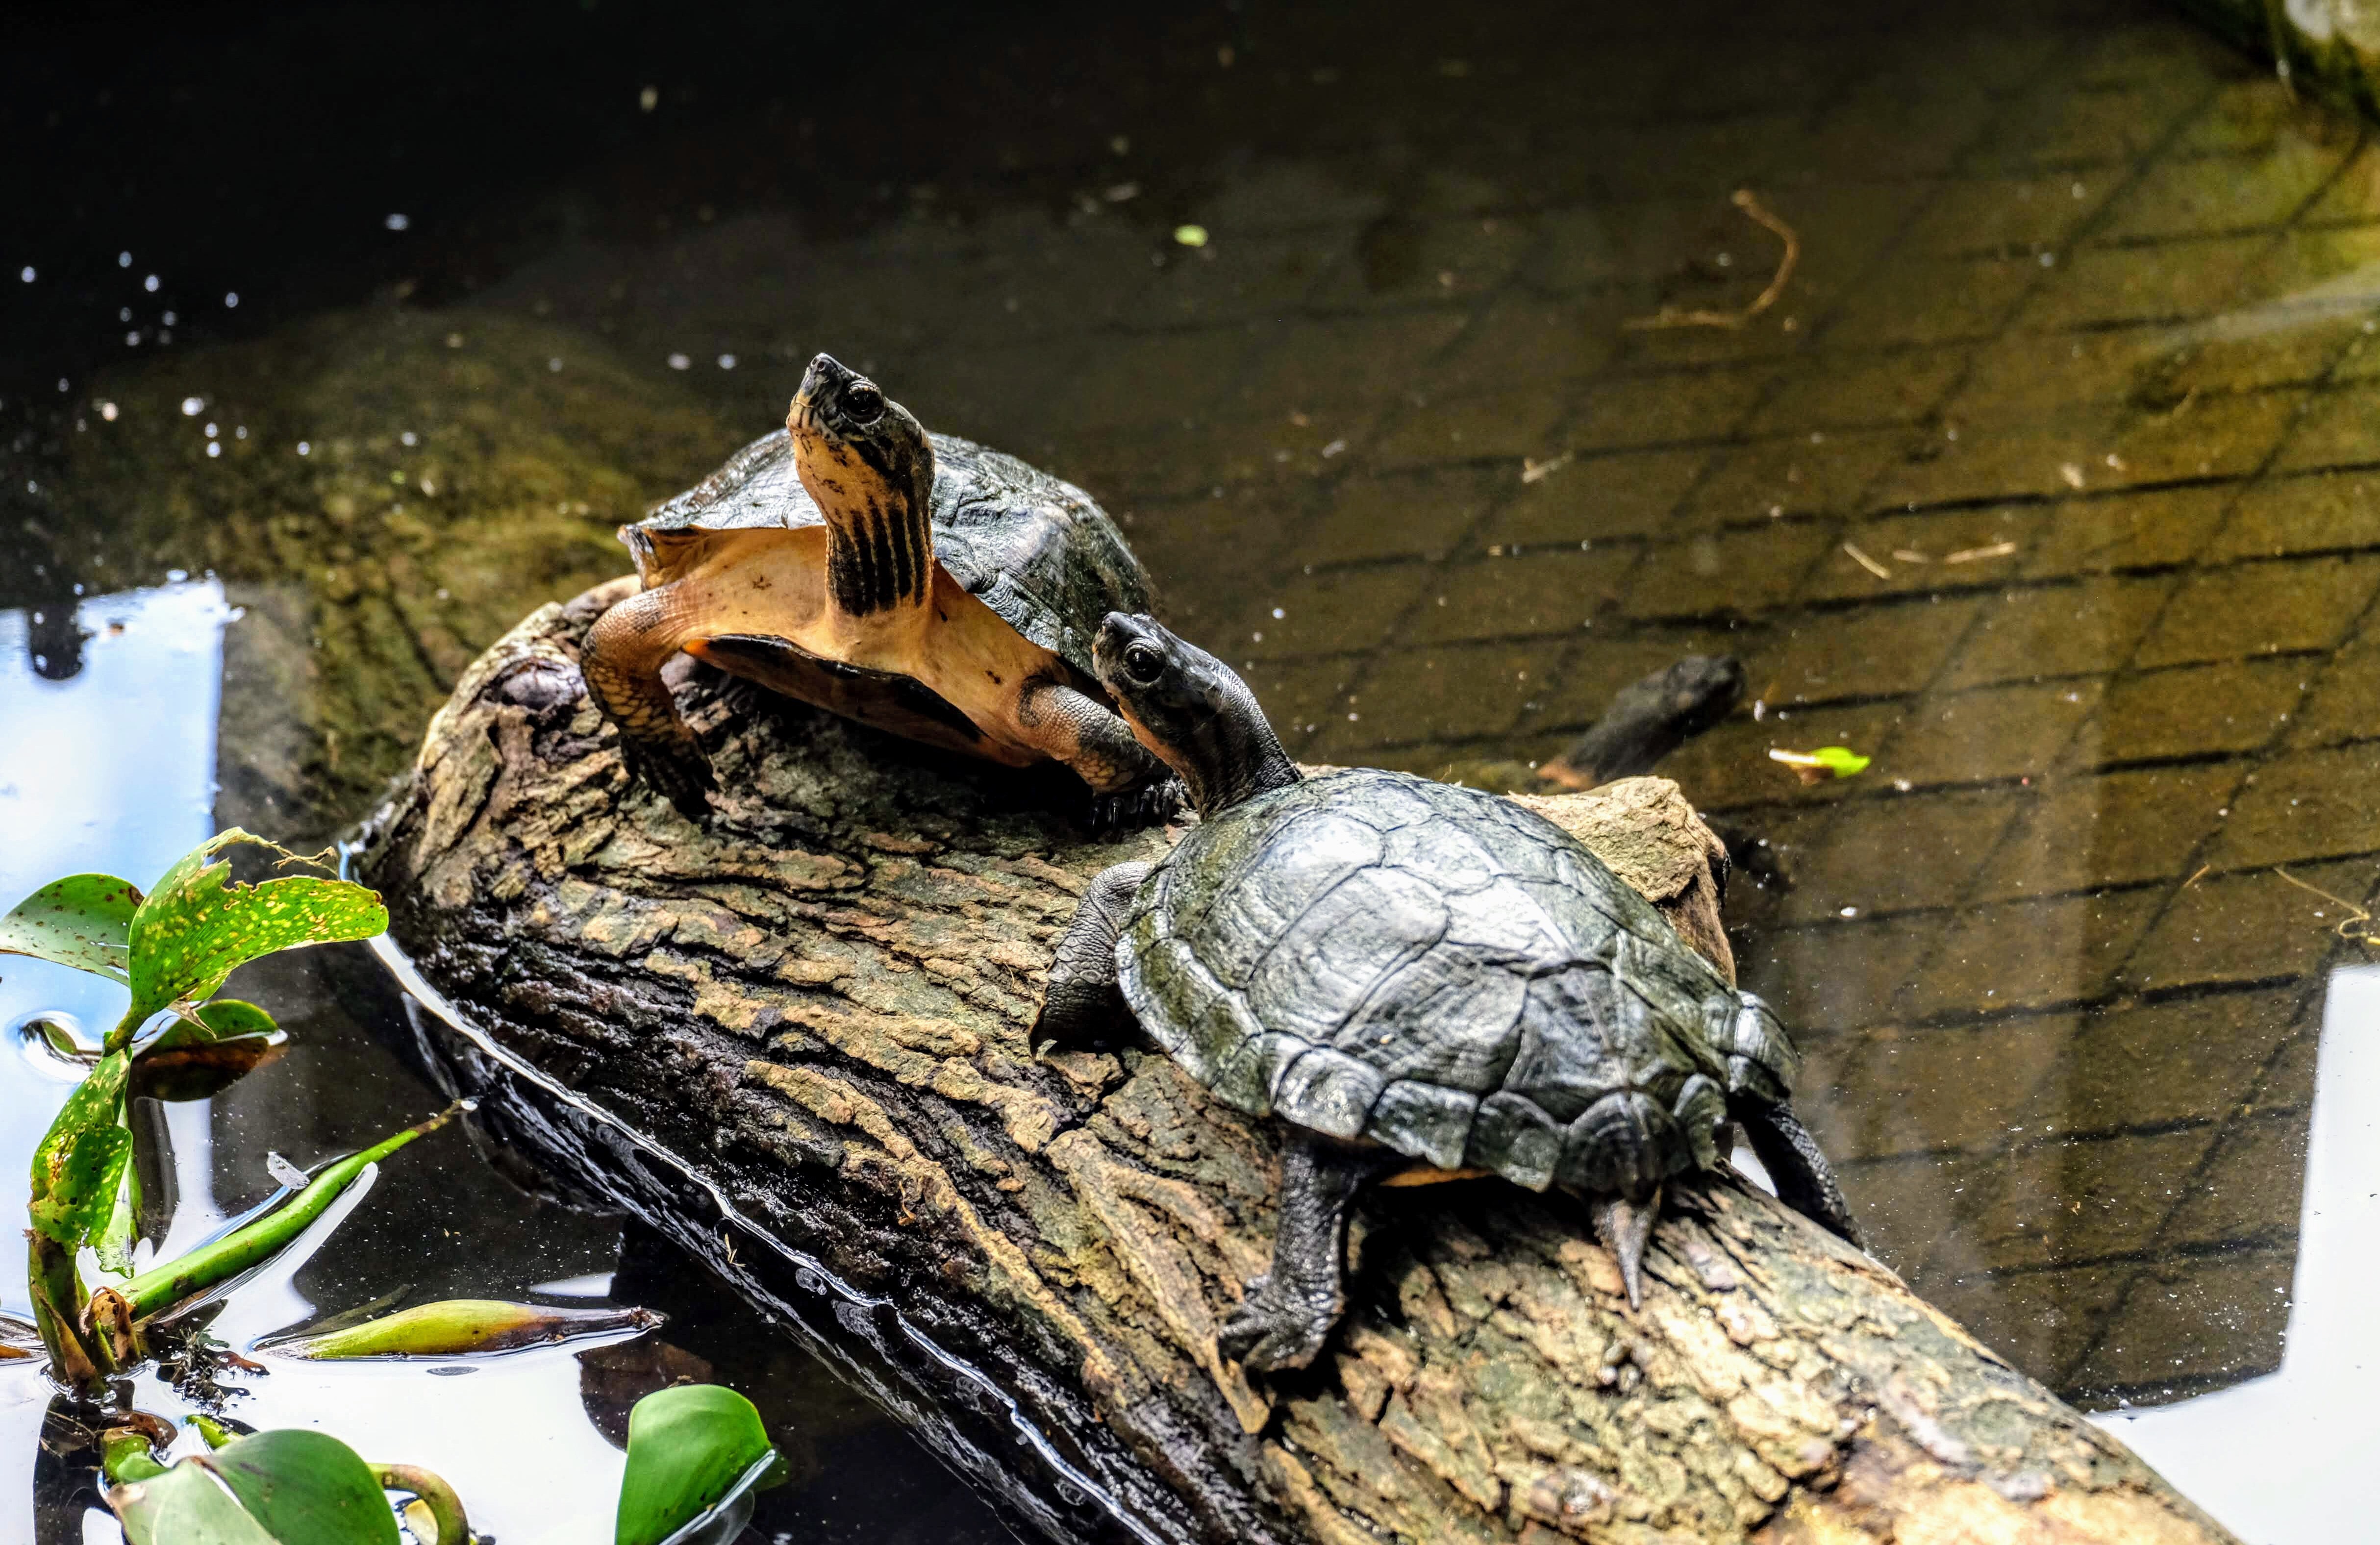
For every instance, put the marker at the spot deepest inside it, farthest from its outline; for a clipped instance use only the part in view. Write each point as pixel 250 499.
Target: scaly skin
pixel 622 662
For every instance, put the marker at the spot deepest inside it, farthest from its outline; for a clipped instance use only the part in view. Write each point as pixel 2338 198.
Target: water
pixel 2044 481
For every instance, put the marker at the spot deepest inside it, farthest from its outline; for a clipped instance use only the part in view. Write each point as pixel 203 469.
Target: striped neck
pixel 879 553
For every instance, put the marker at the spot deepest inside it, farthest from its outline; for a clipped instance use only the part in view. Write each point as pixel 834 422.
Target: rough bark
pixel 821 1001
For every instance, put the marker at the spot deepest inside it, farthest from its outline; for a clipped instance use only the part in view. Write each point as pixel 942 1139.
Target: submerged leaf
pixel 690 1448
pixel 208 1050
pixel 1838 761
pixel 80 1162
pixel 223 1019
pixel 196 927
pixel 84 921
pixel 461 1325
pixel 307 1488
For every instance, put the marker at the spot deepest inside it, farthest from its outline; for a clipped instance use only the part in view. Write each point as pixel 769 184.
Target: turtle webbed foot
pixel 1275 1329
pixel 677 770
pixel 1129 810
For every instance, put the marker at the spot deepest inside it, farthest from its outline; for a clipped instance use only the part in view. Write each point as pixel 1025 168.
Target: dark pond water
pixel 331 341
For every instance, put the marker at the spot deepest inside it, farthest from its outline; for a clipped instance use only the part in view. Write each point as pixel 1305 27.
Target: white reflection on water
pixel 113 768
pixel 2287 1459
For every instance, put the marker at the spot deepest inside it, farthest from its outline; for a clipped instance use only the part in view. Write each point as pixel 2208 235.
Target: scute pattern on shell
pixel 1035 548
pixel 1373 955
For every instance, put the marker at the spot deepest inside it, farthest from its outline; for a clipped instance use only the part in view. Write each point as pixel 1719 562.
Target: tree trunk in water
pixel 820 1002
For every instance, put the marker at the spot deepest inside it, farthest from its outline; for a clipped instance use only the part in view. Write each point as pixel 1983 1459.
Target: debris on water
pixel 1973 555
pixel 1670 316
pixel 2072 473
pixel 1866 563
pixel 2356 928
pixel 1826 762
pixel 1190 236
pixel 1532 470
pixel 288 1173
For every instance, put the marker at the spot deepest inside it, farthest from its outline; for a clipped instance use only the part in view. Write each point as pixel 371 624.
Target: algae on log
pixel 822 999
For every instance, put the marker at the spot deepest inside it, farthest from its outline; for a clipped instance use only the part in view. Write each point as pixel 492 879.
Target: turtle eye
pixel 863 402
pixel 1144 664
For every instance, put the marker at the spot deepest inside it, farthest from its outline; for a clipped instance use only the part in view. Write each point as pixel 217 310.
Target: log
pixel 795 1040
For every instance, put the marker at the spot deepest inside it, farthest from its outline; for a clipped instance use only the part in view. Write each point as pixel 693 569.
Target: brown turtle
pixel 921 583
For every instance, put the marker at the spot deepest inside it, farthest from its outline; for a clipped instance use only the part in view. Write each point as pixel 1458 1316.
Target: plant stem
pixel 57 1311
pixel 445 1507
pixel 161 1287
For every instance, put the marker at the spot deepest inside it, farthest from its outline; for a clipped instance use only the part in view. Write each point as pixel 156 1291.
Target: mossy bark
pixel 824 997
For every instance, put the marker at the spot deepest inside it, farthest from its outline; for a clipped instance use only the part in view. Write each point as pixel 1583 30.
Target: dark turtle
pixel 921 583
pixel 1407 970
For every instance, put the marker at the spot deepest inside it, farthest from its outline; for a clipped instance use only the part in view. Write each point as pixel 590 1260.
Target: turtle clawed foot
pixel 1272 1331
pixel 1129 810
pixel 677 770
pixel 1625 1228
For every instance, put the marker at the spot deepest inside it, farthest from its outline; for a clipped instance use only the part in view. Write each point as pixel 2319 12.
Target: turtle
pixel 1409 974
pixel 921 583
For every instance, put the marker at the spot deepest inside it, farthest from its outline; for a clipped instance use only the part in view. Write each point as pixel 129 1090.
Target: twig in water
pixel 2355 928
pixel 1670 316
pixel 1968 555
pixel 1867 563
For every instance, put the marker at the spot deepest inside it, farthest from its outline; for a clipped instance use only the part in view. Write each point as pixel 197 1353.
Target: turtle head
pixel 1192 710
pixel 866 461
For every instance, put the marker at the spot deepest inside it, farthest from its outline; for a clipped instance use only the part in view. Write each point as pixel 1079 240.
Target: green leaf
pixel 455 1326
pixel 196 927
pixel 307 1488
pixel 126 1453
pixel 84 921
pixel 690 1448
pixel 184 1506
pixel 80 1162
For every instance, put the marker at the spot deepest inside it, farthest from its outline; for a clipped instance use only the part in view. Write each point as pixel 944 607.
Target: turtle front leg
pixel 622 661
pixel 1082 1004
pixel 1131 786
pixel 1290 1311
pixel 1805 1181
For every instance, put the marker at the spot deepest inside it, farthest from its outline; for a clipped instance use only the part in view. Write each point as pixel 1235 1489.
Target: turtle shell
pixel 1036 549
pixel 1376 955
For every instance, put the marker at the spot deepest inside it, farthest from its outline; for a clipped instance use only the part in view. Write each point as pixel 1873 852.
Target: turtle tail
pixel 1804 1180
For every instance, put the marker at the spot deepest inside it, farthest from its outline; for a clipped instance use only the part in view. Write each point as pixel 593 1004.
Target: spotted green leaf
pixel 196 927
pixel 80 1164
pixel 84 921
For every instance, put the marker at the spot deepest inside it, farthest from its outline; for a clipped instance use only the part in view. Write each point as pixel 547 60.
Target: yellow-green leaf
pixel 454 1326
pixel 196 927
